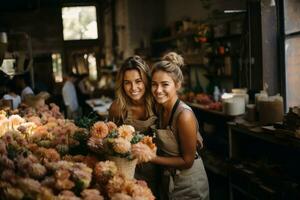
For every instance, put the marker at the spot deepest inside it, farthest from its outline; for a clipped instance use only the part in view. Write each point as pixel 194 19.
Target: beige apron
pixel 146 171
pixel 189 183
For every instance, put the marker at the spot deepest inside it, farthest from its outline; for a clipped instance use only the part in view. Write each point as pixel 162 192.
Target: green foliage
pixel 87 121
pixel 62 149
pixel 136 138
pixel 12 151
pixel 81 136
pixel 113 134
pixel 79 186
pixel 44 143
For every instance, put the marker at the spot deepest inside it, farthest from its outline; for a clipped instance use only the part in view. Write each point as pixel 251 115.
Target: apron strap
pixel 173 111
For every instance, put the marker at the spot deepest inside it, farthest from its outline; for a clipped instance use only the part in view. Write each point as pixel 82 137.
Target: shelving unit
pixel 263 165
pixel 248 162
pixel 202 55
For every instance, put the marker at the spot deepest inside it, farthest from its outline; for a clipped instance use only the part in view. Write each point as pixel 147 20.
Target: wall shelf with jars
pixel 213 47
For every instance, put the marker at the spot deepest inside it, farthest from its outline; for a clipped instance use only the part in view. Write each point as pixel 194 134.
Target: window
pixel 79 23
pixel 57 67
pixel 291 10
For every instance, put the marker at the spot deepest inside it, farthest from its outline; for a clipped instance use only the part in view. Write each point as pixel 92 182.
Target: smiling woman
pixel 133 106
pixel 184 176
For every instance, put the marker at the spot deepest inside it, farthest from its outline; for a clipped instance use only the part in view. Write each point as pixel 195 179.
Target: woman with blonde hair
pixel 184 176
pixel 133 106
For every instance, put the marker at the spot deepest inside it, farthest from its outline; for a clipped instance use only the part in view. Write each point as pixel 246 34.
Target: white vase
pixel 125 166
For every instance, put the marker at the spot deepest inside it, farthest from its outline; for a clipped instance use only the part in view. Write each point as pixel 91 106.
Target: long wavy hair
pixel 133 63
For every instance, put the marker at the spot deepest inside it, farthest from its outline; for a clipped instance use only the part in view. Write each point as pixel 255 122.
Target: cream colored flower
pixel 29 126
pixel 91 194
pixel 15 121
pixel 37 170
pixel 2 114
pixel 126 132
pixel 13 193
pixel 4 126
pixel 121 145
pixel 115 185
pixel 105 170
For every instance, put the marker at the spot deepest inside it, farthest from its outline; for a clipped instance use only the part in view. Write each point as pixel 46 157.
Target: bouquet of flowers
pixel 122 145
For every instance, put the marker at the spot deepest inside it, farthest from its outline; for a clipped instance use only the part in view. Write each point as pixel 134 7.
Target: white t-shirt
pixel 26 91
pixel 16 100
pixel 70 96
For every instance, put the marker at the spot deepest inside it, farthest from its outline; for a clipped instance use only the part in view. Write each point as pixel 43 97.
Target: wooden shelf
pixel 190 34
pixel 227 37
pixel 215 163
pixel 279 139
pixel 174 37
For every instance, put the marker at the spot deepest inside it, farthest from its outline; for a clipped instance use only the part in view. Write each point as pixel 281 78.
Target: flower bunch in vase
pixel 122 144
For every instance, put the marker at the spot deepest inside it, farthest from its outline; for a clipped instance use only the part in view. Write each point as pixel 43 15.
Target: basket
pixel 125 166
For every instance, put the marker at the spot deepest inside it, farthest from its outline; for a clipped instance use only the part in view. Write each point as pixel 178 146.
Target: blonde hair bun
pixel 175 58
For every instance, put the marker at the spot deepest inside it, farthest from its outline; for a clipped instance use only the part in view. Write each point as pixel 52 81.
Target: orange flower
pixel 147 140
pixel 111 126
pixel 99 129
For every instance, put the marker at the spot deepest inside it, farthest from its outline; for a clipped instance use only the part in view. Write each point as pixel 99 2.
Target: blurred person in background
pixel 11 98
pixel 23 86
pixel 69 95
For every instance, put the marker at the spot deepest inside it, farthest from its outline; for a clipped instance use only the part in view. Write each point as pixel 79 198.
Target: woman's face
pixel 163 87
pixel 133 85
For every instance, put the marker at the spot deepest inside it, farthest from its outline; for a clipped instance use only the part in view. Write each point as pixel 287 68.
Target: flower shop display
pixel 122 144
pixel 35 159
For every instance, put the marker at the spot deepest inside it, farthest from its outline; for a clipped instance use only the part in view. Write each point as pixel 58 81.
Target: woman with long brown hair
pixel 134 106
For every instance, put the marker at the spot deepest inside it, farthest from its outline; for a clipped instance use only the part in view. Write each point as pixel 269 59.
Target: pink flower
pixel 121 145
pixel 142 152
pixel 121 196
pixel 91 194
pixel 35 119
